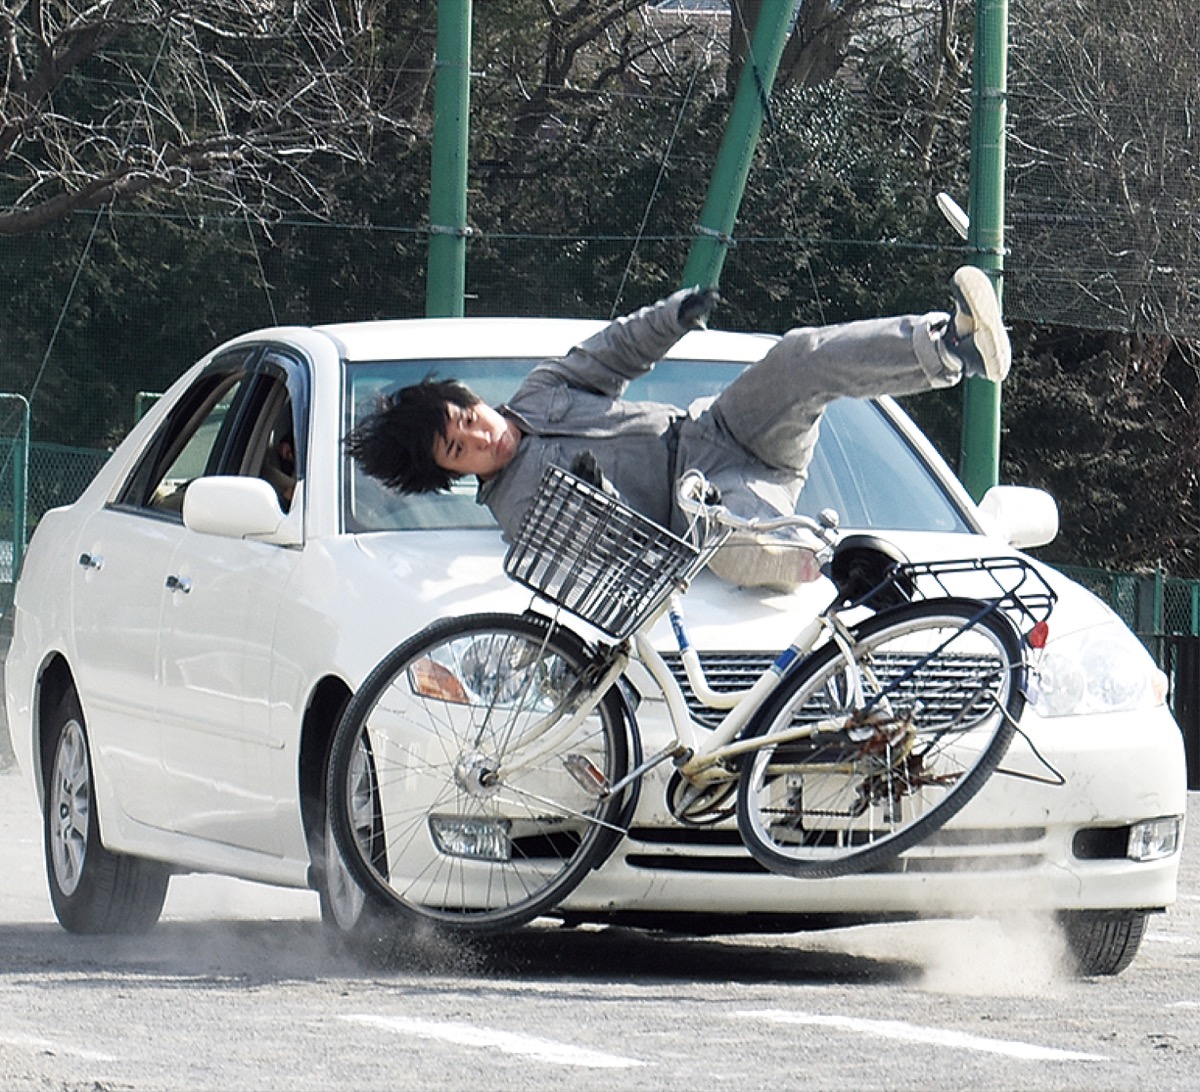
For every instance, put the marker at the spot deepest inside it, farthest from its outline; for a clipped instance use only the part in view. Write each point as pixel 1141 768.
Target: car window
pixel 187 444
pixel 236 419
pixel 864 468
pixel 274 458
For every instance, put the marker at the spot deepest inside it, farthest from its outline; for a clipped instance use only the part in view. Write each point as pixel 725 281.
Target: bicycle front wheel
pixel 850 776
pixel 463 788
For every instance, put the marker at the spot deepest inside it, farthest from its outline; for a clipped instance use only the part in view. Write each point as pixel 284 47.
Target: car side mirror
pixel 233 507
pixel 1021 515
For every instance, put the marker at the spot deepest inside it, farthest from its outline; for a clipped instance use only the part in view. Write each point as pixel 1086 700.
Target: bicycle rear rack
pixel 1010 584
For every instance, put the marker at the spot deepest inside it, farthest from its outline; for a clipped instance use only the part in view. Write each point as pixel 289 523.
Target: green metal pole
pixel 446 274
pixel 715 230
pixel 980 467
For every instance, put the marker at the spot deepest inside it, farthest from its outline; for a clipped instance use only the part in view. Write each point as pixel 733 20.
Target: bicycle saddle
pixel 866 571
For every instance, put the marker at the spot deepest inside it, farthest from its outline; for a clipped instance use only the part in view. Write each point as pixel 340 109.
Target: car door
pixel 124 554
pixel 220 747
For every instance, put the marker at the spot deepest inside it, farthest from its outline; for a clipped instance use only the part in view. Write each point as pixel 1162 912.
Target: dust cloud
pixel 1016 955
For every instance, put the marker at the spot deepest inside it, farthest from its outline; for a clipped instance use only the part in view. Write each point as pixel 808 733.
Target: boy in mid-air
pixel 753 441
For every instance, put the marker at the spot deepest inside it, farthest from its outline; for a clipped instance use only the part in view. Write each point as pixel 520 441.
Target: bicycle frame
pixel 697 751
pixel 701 749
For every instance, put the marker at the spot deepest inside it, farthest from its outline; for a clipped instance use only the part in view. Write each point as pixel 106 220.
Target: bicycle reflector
pixel 1039 635
pixel 432 680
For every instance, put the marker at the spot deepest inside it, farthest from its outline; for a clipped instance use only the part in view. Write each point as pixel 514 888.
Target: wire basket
pixel 595 557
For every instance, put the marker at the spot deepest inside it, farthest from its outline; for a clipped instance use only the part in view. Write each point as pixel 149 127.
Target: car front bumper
pixel 1048 832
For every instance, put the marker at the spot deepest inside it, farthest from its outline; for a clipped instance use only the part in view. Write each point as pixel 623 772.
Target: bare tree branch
pixel 232 99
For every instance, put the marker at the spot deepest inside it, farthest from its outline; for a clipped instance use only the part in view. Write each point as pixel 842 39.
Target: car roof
pixel 455 338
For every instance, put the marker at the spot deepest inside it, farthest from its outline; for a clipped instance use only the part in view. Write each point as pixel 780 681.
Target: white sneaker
pixel 977 335
pixel 768 563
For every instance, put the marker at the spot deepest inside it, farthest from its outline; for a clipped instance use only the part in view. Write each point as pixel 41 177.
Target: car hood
pixel 443 573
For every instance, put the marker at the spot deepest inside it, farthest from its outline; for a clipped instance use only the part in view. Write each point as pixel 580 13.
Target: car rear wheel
pixel 1103 942
pixel 92 889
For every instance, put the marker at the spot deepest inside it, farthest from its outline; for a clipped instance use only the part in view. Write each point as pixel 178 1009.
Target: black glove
pixel 696 306
pixel 586 467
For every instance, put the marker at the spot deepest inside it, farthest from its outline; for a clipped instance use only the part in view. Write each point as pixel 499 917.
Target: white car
pixel 176 674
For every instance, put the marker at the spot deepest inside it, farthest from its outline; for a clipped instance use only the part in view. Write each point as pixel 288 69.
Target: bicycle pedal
pixel 587 775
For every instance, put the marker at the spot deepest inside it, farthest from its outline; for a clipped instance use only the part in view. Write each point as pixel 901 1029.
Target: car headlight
pixel 1103 669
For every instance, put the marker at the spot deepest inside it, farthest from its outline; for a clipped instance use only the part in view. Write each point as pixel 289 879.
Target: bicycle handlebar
pixel 697 497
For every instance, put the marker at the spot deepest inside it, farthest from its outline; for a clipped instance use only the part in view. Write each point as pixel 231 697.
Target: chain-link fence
pixel 58 474
pixel 1157 607
pixel 33 479
pixel 1164 612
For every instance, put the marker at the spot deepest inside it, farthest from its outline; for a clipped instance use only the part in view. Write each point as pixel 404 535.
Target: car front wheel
pixel 1103 943
pixel 354 922
pixel 92 889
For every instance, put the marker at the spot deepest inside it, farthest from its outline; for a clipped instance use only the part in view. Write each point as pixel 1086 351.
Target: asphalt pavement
pixel 236 989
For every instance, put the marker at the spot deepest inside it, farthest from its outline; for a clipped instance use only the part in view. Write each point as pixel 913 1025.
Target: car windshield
pixel 864 468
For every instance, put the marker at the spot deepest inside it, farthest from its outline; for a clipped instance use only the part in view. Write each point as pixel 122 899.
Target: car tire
pixel 353 923
pixel 92 889
pixel 1103 942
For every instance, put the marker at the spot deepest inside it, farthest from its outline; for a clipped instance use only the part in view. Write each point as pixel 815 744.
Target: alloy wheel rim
pixel 71 807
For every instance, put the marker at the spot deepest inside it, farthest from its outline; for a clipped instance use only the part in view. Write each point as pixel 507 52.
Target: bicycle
pixel 488 763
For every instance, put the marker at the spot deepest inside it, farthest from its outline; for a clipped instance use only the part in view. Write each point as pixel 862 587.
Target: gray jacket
pixel 574 403
pixel 754 441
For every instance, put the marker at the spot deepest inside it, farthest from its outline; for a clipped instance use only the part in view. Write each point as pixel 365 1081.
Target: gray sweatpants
pixel 773 411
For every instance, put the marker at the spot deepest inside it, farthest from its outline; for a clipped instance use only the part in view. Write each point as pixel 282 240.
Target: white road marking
pixel 544 1050
pixel 914 1033
pixel 48 1046
pixel 1169 938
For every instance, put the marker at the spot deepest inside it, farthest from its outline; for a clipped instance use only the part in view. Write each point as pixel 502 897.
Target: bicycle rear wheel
pixel 457 794
pixel 861 784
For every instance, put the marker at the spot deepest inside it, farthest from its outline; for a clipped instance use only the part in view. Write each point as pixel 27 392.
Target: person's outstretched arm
pixel 629 346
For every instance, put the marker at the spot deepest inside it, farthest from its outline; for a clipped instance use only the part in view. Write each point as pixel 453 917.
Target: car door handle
pixel 179 584
pixel 91 561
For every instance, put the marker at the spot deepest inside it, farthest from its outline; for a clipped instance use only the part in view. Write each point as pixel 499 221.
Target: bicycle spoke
pixel 482 822
pixel 939 702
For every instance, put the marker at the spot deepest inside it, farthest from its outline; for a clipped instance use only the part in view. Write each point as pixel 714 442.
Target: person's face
pixel 477 440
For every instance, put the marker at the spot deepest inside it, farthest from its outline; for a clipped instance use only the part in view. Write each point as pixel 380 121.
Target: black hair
pixel 395 443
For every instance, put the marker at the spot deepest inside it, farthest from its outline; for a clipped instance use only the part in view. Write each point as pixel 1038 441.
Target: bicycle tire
pixel 851 799
pixel 431 807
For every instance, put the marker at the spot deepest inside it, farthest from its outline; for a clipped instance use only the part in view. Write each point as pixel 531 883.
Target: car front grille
pixel 943 688
pixel 725 671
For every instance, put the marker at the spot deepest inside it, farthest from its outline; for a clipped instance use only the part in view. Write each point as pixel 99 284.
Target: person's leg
pixel 774 407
